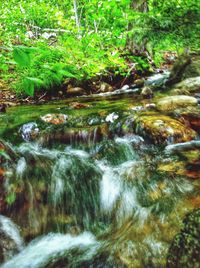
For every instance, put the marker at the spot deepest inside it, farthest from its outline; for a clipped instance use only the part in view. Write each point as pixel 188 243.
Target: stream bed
pixel 85 184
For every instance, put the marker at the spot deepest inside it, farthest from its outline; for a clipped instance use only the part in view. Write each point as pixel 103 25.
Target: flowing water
pixel 89 192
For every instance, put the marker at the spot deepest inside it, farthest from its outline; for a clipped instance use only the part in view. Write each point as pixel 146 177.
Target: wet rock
pixel 105 87
pixel 187 86
pixel 60 93
pixel 147 92
pixel 185 248
pixel 139 83
pixel 29 131
pixel 188 167
pixel 150 106
pixel 55 119
pixel 189 156
pixel 75 91
pixel 191 115
pixel 162 129
pixel 173 102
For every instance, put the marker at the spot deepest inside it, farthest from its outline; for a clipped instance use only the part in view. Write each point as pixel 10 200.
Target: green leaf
pixel 67 73
pixel 22 57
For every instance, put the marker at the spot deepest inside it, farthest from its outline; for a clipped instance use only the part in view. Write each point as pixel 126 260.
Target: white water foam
pixel 39 252
pixel 12 231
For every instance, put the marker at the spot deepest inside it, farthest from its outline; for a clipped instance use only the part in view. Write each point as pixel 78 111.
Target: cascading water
pixel 88 201
pixel 11 241
pixel 45 250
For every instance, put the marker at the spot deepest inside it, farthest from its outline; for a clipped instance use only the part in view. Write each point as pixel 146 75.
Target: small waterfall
pixel 131 190
pixel 55 184
pixel 158 80
pixel 100 204
pixel 46 250
pixel 118 193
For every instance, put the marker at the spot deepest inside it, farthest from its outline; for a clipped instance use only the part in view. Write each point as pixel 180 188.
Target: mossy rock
pixel 187 86
pixel 173 102
pixel 185 248
pixel 162 129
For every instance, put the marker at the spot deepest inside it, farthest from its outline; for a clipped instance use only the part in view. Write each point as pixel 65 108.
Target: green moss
pixel 185 248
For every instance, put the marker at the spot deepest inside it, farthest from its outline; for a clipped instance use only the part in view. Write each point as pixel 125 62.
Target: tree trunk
pixel 134 46
pixel 76 15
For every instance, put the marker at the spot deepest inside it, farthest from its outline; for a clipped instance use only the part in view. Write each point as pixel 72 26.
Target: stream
pixel 84 188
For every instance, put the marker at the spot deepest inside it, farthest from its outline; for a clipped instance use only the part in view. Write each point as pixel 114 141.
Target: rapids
pixel 88 200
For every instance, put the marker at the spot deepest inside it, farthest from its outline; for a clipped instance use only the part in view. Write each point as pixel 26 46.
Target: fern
pixel 22 55
pixel 30 84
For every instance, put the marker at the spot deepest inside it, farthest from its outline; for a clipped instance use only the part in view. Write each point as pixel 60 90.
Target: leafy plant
pixel 53 40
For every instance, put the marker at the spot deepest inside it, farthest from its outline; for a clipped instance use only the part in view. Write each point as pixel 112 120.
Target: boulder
pixel 75 91
pixel 173 102
pixel 187 86
pixel 162 129
pixel 55 119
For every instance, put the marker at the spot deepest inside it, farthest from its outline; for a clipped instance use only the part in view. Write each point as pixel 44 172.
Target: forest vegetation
pixel 43 42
